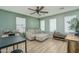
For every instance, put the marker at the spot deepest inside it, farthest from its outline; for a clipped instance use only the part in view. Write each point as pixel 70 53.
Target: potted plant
pixel 74 25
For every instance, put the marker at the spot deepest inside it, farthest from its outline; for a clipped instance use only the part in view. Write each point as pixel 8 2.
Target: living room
pixel 40 25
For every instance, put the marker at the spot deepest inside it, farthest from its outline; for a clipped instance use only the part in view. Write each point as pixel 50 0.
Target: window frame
pixel 51 30
pixel 20 24
pixel 42 25
pixel 65 23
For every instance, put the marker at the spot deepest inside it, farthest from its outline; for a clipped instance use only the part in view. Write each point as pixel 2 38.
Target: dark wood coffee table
pixel 11 41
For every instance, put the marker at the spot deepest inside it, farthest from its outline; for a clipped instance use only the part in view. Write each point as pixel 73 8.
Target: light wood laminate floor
pixel 47 46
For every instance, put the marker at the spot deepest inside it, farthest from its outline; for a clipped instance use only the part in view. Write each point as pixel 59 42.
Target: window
pixel 42 25
pixel 20 24
pixel 52 25
pixel 67 19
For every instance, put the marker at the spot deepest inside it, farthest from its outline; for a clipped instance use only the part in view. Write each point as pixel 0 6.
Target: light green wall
pixel 32 23
pixel 8 20
pixel 60 20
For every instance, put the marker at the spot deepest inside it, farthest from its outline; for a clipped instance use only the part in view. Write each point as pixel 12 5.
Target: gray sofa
pixel 35 34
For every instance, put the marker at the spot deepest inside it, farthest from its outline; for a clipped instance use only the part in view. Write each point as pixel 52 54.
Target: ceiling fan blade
pixel 33 13
pixel 43 12
pixel 41 8
pixel 37 8
pixel 31 9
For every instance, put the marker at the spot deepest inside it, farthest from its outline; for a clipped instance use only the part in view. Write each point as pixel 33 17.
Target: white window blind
pixel 52 25
pixel 67 25
pixel 20 24
pixel 42 25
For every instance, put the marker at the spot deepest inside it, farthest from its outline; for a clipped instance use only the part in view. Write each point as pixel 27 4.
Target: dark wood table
pixel 11 41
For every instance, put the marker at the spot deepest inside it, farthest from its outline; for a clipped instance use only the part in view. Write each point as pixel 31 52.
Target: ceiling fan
pixel 38 10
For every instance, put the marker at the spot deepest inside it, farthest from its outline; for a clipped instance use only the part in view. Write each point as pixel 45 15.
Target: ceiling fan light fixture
pixel 38 10
pixel 61 8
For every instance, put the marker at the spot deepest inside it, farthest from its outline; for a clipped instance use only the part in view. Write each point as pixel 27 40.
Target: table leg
pixel 25 46
pixel 17 46
pixel 13 47
pixel 6 50
pixel 0 50
pixel 67 46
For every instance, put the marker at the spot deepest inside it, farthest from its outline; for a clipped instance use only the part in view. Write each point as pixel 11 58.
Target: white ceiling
pixel 52 10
